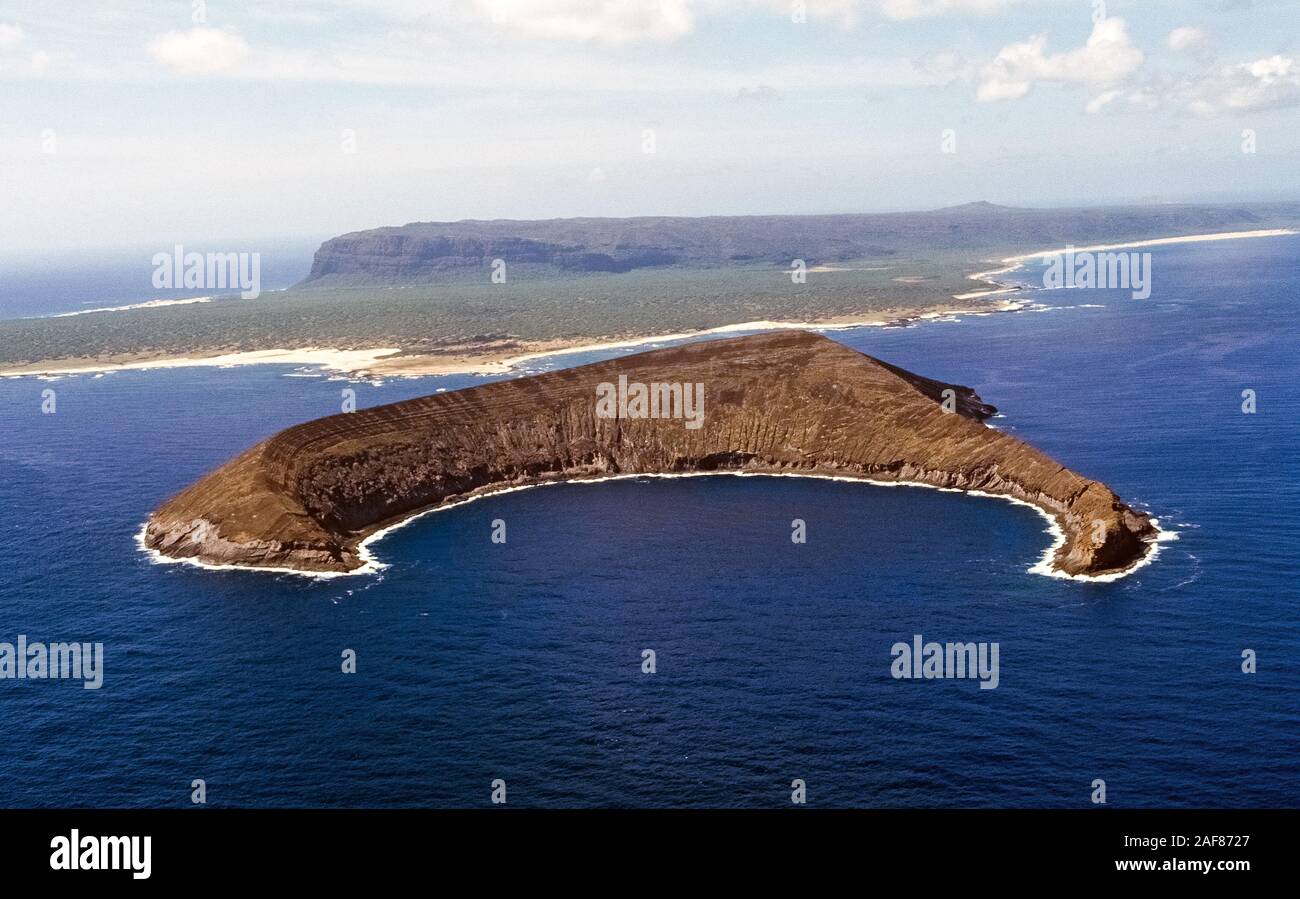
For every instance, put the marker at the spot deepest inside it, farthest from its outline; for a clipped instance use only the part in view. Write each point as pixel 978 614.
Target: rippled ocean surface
pixel 522 661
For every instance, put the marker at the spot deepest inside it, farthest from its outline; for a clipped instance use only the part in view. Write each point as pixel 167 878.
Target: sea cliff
pixel 422 253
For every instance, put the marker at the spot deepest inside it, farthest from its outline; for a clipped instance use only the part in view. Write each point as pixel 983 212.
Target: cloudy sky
pixel 134 122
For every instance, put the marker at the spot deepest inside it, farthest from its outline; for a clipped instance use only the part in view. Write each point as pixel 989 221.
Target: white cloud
pixel 842 12
pixel 1269 83
pixel 10 36
pixel 849 12
pixel 1188 37
pixel 1106 59
pixel 915 9
pixel 597 21
pixel 1097 103
pixel 199 50
pixel 42 64
pixel 416 57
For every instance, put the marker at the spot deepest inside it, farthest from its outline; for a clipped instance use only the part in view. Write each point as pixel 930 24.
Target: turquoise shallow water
pixel 523 662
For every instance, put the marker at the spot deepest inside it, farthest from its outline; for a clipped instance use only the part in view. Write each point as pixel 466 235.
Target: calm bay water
pixel 523 661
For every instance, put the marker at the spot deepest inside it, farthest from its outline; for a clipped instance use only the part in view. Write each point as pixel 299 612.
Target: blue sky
pixel 159 122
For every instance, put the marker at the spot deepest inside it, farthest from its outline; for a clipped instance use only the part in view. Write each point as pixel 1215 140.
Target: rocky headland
pixel 788 402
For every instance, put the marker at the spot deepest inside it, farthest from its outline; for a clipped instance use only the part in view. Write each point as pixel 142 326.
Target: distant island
pixel 439 252
pixel 782 403
pixel 480 296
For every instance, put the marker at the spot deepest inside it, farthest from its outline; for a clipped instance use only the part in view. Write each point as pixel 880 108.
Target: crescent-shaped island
pixel 786 402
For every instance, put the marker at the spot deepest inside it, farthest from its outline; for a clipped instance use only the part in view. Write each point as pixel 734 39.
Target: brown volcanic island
pixel 787 402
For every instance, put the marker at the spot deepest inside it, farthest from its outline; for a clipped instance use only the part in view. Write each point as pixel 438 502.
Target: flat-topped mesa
pixel 787 402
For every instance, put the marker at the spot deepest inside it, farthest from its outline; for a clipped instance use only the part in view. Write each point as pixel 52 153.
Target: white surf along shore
pixel 326 359
pixel 372 565
pixel 147 304
pixel 1013 263
pixel 387 361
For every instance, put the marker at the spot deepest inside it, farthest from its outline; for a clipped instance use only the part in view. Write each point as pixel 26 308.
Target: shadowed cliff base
pixel 789 402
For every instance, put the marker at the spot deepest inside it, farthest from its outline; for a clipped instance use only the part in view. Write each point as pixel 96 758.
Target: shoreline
pixel 327 359
pixel 389 362
pixel 1012 263
pixel 1160 242
pixel 410 367
pixel 146 304
pixel 371 564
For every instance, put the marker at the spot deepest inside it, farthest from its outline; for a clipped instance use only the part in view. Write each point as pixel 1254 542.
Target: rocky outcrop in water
pixel 781 403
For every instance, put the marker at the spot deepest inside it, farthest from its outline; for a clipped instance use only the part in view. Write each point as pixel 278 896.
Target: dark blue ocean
pixel 34 285
pixel 522 661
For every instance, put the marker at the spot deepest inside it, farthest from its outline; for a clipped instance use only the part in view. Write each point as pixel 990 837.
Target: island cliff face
pixel 788 402
pixel 433 252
